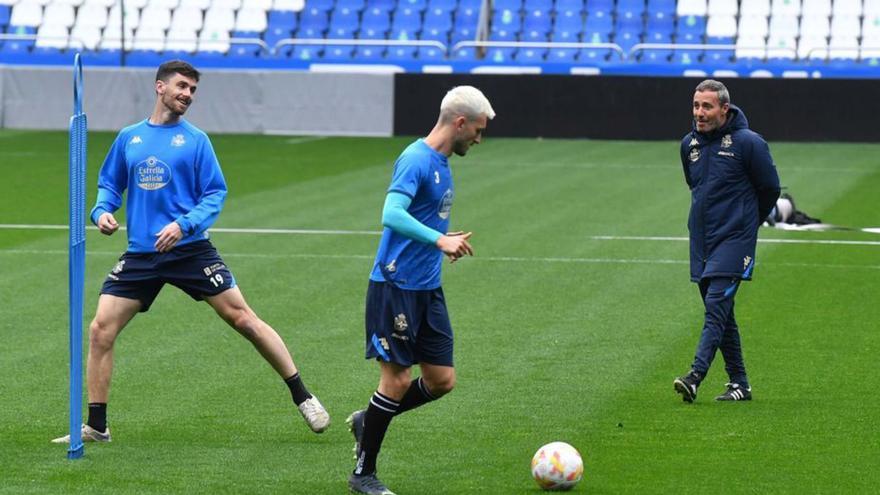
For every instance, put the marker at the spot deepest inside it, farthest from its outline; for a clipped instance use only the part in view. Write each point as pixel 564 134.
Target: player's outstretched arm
pixel 456 245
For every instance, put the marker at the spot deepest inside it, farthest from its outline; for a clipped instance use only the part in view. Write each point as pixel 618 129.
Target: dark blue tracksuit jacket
pixel 734 185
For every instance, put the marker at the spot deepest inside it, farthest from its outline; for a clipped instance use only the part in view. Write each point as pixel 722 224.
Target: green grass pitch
pixel 559 335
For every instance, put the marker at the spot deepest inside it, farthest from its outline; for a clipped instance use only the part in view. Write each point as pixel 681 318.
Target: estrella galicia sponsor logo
pixel 445 204
pixel 152 174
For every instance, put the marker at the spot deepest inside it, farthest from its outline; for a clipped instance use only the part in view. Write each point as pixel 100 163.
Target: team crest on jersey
pixel 445 204
pixel 695 154
pixel 746 262
pixel 400 324
pixel 136 140
pixel 152 174
pixel 178 141
pixel 726 141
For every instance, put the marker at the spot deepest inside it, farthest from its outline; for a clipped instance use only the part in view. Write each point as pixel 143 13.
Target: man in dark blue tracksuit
pixel 734 186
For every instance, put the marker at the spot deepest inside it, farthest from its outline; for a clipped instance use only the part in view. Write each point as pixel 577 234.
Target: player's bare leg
pixel 232 307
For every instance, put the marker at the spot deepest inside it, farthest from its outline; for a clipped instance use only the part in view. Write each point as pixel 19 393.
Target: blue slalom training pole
pixel 77 256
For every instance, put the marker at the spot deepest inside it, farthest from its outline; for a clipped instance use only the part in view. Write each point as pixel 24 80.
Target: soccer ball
pixel 557 466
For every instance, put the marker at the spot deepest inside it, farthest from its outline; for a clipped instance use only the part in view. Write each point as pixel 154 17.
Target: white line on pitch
pixel 766 241
pixel 217 229
pixel 502 259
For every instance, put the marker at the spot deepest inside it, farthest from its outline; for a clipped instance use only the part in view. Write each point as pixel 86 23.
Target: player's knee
pixel 442 385
pixel 101 335
pixel 247 323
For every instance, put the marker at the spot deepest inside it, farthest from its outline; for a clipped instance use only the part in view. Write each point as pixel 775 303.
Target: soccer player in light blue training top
pixel 406 318
pixel 175 192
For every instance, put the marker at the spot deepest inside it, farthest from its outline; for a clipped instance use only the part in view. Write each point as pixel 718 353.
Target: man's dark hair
pixel 171 67
pixel 713 86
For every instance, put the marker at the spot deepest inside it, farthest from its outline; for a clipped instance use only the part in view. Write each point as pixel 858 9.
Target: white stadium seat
pixel 85 37
pixel 263 5
pixel 691 7
pixel 26 14
pixel 721 25
pixel 226 4
pixel 181 41
pixel 52 36
pixel 59 14
pixel 781 47
pixel 168 4
pixel 816 8
pixel 214 40
pixel 132 19
pixel 722 7
pixel 847 8
pixel 219 19
pixel 815 26
pixel 871 46
pixel 846 26
pixel 750 47
pixel 111 39
pixel 753 26
pixel 784 26
pixel 786 7
pixel 843 48
pixel 251 20
pixel 812 47
pixel 755 8
pixel 147 38
pixel 91 15
pixel 155 18
pixel 186 19
pixel 288 5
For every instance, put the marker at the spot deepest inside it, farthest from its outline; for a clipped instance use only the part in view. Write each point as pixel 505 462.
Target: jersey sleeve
pixel 409 171
pixel 396 217
pixel 212 191
pixel 112 179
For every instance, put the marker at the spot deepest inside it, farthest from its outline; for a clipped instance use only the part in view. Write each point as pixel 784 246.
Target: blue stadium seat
pixel 543 5
pixel 500 55
pixel 343 23
pixel 369 53
pixel 656 54
pixel 417 5
pixel 718 56
pixel 470 5
pixel 407 19
pixel 562 55
pixel 635 7
pixel 322 5
pixel 514 5
pixel 531 55
pixel 435 35
pixel 463 33
pixel 605 6
pixel 339 53
pixel 283 19
pixel 660 22
pixel 401 53
pixel 403 35
pixel 306 52
pixel 430 54
pixel 372 33
pixel 565 36
pixel 569 6
pixel 376 20
pixel 691 24
pixel 467 53
pixel 467 15
pixel 687 57
pixel 665 6
pixel 599 22
pixel 244 50
pixel 275 34
pixel 4 15
pixel 629 22
pixel 383 5
pixel 355 5
pixel 594 55
pixel 689 39
pixel 437 19
pixel 444 5
pixel 569 20
pixel 537 20
pixel 246 34
pixel 312 24
pixel 626 39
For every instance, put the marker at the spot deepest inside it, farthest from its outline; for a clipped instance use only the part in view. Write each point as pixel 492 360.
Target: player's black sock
pixel 379 414
pixel 98 416
pixel 416 395
pixel 297 389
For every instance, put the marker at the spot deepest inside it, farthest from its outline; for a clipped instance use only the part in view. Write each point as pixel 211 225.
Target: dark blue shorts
pixel 195 268
pixel 406 327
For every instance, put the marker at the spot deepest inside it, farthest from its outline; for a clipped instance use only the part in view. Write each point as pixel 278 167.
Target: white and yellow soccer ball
pixel 557 466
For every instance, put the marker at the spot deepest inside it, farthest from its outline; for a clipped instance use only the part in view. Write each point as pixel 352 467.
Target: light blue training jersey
pixel 171 174
pixel 422 174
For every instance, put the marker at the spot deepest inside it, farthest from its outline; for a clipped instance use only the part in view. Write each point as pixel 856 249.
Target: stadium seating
pixel 418 30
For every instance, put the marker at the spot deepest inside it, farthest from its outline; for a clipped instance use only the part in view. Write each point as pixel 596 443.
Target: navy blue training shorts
pixel 195 268
pixel 406 327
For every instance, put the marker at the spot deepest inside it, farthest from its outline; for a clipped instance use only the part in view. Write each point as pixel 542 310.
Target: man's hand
pixel 455 245
pixel 107 223
pixel 168 237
